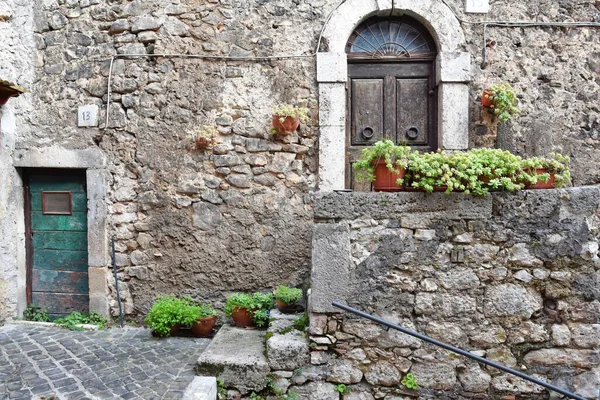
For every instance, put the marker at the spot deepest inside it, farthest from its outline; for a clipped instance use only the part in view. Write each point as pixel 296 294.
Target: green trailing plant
pixel 258 304
pixel 556 164
pixel 36 313
pixel 504 100
pixel 394 156
pixel 76 318
pixel 409 381
pixel 288 295
pixel 341 388
pixel 285 110
pixel 168 311
pixel 205 137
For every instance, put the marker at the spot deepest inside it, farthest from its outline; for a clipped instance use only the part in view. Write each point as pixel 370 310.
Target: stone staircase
pixel 249 360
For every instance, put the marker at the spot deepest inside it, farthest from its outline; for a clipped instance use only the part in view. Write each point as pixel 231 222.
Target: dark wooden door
pixel 57 277
pixel 393 101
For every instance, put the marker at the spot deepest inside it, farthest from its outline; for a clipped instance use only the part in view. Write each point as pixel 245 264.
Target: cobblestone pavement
pixel 42 362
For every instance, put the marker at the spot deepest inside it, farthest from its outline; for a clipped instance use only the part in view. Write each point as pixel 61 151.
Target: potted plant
pixel 287 118
pixel 205 322
pixel 205 137
pixel 168 313
pixel 287 298
pixel 502 100
pixel 249 309
pixel 383 163
pixel 431 172
pixel 546 172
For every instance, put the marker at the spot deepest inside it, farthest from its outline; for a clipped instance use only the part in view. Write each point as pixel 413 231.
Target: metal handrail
pixel 458 351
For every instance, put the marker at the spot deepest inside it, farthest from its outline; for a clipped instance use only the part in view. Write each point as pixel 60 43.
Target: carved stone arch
pixel 452 77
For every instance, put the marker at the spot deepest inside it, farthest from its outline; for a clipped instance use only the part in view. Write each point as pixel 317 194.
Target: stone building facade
pixel 241 217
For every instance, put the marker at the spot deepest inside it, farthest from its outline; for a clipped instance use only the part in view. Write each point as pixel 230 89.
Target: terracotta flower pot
pixel 242 317
pixel 204 326
pixel 203 142
pixel 287 127
pixel 174 331
pixel 486 99
pixel 385 180
pixel 549 184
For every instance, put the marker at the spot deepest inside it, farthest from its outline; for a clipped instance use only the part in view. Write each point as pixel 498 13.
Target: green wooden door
pixel 58 277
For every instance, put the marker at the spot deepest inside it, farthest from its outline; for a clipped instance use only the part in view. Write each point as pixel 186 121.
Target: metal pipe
pixel 458 351
pixel 114 262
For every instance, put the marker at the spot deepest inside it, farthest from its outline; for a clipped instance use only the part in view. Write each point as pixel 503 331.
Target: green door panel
pixel 59 274
pixel 60 281
pixel 75 222
pixel 63 260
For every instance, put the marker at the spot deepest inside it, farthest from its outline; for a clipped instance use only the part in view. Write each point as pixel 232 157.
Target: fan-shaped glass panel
pixel 391 38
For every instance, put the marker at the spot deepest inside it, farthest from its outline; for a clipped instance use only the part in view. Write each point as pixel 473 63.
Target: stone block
pixel 331 259
pixel 236 356
pixel 316 391
pixel 287 352
pixel 332 67
pixel 332 110
pixel 453 67
pixel 98 289
pixel 97 212
pixel 345 372
pixel 511 300
pixel 439 376
pixel 565 357
pixel 58 157
pixel 453 114
pixel 332 143
pixel 201 388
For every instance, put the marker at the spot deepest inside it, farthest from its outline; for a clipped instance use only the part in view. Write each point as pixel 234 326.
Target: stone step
pixel 201 388
pixel 237 356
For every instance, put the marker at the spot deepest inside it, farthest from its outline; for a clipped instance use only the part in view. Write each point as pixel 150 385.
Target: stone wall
pixel 512 277
pixel 240 217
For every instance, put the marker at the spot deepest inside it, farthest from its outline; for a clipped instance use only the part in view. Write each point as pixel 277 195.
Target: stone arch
pixel 452 77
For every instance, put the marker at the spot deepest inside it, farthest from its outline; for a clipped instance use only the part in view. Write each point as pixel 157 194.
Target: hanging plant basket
pixel 487 99
pixel 287 127
pixel 204 142
pixel 385 180
pixel 540 184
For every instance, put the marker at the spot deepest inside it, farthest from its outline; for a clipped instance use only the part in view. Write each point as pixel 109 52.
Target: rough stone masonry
pixel 512 277
pixel 241 216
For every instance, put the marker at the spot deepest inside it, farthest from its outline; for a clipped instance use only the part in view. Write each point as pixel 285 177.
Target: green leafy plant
pixel 341 388
pixel 221 391
pixel 394 156
pixel 301 323
pixel 409 381
pixel 206 311
pixel 168 311
pixel 288 295
pixel 504 100
pixel 279 393
pixel 76 318
pixel 205 137
pixel 36 313
pixel 285 110
pixel 258 304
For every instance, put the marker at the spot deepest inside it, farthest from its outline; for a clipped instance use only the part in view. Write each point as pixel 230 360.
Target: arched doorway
pixel 392 91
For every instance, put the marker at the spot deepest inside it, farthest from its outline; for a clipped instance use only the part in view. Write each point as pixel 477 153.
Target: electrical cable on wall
pixel 485 24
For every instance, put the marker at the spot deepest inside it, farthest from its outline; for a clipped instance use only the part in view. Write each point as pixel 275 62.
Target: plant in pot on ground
pixel 383 163
pixel 168 313
pixel 249 309
pixel 205 137
pixel 206 320
pixel 287 298
pixel 287 118
pixel 502 100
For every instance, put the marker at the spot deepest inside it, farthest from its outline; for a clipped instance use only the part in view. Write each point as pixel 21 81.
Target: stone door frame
pixel 93 161
pixel 453 74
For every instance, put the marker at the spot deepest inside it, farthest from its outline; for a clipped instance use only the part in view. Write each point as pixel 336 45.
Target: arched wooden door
pixel 392 92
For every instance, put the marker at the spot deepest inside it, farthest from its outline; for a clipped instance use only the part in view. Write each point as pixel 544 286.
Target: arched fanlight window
pixel 391 38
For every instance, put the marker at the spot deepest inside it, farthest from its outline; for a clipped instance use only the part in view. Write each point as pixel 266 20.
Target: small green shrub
pixel 556 163
pixel 168 311
pixel 36 313
pixel 409 381
pixel 288 295
pixel 221 391
pixel 259 304
pixel 301 322
pixel 77 318
pixel 341 388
